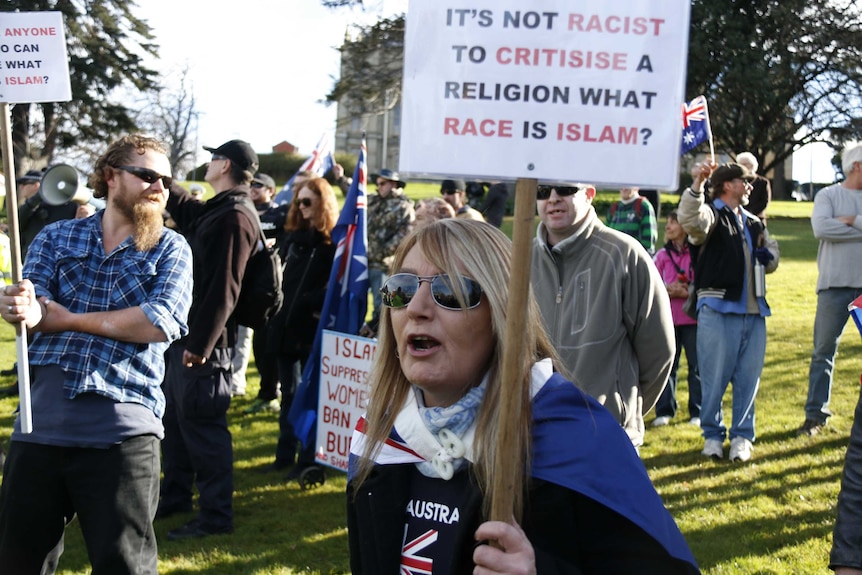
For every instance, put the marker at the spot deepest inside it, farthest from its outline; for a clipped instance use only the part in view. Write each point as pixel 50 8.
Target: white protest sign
pixel 34 65
pixel 345 361
pixel 570 90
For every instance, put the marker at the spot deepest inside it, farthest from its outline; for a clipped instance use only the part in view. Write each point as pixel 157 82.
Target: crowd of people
pixel 149 379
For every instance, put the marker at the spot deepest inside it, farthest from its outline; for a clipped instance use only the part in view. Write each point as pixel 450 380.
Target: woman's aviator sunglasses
pixel 544 192
pixel 303 202
pixel 399 289
pixel 146 174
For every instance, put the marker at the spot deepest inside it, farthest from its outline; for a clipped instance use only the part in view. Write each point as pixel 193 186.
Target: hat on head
pixel 388 174
pixel 453 186
pixel 30 177
pixel 264 179
pixel 725 173
pixel 238 152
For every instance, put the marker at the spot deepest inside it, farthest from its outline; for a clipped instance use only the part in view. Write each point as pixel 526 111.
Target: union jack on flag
pixel 320 161
pixel 346 301
pixel 412 563
pixel 695 123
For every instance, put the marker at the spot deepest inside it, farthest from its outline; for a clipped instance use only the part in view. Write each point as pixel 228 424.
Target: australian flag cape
pixel 577 444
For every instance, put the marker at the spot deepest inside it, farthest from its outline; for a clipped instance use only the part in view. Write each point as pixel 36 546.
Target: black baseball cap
pixel 239 152
pixel 30 177
pixel 264 179
pixel 453 186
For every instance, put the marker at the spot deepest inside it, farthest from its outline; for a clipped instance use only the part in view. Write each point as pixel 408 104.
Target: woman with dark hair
pixel 307 252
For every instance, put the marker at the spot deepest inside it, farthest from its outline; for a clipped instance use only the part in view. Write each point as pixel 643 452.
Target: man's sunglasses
pixel 256 185
pixel 303 202
pixel 544 192
pixel 147 175
pixel 399 289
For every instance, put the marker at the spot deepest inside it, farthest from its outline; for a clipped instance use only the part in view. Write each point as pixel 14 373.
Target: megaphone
pixel 60 184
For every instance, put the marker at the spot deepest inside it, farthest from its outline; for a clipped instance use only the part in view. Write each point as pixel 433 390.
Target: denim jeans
pixel 730 349
pixel 114 493
pixel 686 339
pixel 832 315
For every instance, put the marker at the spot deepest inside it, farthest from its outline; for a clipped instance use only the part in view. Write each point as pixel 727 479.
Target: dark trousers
pixel 197 448
pixel 290 372
pixel 686 339
pixel 267 367
pixel 113 491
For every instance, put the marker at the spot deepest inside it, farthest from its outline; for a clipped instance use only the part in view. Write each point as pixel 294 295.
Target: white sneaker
pixel 713 448
pixel 660 421
pixel 694 421
pixel 740 449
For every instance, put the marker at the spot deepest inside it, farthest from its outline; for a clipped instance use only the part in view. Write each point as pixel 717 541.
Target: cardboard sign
pixel 345 361
pixel 34 65
pixel 568 90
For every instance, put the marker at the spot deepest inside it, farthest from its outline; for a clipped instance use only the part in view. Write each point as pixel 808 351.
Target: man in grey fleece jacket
pixel 604 304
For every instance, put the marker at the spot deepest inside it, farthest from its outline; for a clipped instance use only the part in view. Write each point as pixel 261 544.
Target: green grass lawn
pixel 773 515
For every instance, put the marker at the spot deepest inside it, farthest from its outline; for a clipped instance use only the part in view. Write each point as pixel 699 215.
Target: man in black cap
pixel 33 213
pixel 197 445
pixel 454 192
pixel 272 218
pixel 734 248
pixel 390 214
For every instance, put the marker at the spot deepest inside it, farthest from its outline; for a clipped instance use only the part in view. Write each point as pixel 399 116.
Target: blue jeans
pixel 730 349
pixel 686 339
pixel 114 493
pixel 829 322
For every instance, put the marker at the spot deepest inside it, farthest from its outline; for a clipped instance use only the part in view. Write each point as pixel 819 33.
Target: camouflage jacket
pixel 389 222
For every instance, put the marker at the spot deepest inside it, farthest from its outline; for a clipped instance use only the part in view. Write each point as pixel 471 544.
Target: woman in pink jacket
pixel 675 266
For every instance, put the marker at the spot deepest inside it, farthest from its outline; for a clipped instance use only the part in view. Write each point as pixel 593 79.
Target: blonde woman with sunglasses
pixel 422 456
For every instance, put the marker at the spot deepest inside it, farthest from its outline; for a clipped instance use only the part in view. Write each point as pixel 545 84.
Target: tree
pixel 106 45
pixel 171 115
pixel 371 68
pixel 778 74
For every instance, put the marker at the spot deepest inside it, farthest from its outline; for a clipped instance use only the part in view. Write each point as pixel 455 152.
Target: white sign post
pixel 34 67
pixel 345 361
pixel 562 90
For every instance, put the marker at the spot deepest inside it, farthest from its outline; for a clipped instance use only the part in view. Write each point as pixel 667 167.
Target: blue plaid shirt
pixel 67 263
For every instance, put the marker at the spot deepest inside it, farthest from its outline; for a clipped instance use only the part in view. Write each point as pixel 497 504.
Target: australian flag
pixel 320 161
pixel 855 308
pixel 695 123
pixel 346 301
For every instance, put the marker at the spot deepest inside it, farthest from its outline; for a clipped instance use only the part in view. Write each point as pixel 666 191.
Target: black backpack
pixel 260 296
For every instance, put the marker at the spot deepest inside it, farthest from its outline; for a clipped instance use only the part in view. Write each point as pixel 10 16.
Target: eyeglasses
pixel 448 192
pixel 303 202
pixel 147 175
pixel 544 192
pixel 256 185
pixel 399 289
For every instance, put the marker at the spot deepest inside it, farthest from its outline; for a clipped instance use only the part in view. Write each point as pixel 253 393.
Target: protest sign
pixel 570 90
pixel 34 65
pixel 345 361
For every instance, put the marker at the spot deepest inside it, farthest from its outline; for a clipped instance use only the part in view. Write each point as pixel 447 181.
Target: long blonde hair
pixel 482 252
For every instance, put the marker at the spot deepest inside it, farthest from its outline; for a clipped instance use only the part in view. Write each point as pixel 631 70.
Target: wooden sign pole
pixel 26 411
pixel 509 472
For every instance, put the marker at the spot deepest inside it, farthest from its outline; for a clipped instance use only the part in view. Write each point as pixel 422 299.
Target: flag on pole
pixel 346 301
pixel 695 124
pixel 855 308
pixel 320 161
